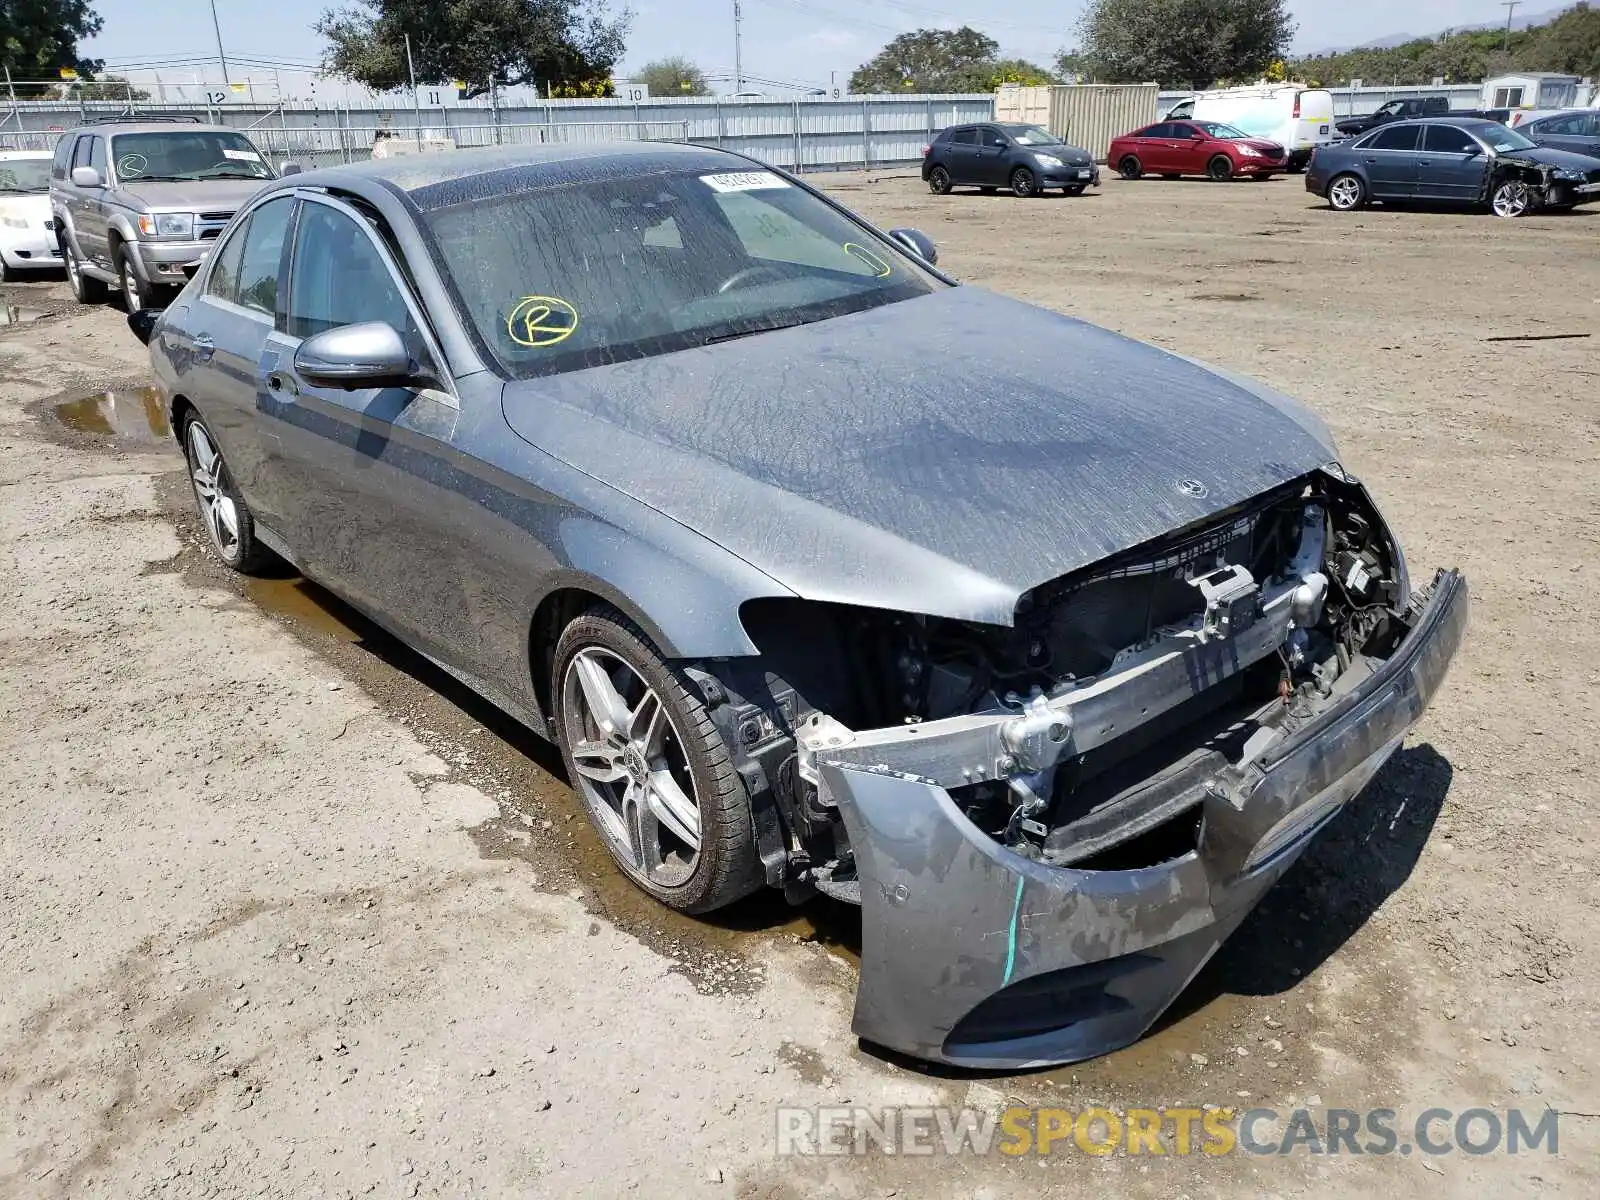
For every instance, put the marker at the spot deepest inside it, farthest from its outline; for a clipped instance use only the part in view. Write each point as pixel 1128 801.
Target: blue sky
pixel 807 40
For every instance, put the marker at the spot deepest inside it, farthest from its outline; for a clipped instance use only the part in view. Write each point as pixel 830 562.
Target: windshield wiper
pixel 765 327
pixel 23 191
pixel 160 179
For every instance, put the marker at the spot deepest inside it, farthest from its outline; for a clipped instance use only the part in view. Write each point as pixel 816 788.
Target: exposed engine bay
pixel 1085 733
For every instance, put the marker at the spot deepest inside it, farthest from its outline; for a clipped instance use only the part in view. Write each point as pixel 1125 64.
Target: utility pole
pixel 1511 7
pixel 416 97
pixel 221 57
pixel 738 48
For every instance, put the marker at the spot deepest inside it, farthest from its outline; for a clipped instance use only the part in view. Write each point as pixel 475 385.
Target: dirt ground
pixel 285 913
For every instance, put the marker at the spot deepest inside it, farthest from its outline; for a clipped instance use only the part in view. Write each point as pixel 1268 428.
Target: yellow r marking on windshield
pixel 539 321
pixel 880 268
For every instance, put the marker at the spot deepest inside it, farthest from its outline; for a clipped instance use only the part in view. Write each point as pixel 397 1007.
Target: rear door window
pixel 1395 137
pixel 223 282
pixel 965 137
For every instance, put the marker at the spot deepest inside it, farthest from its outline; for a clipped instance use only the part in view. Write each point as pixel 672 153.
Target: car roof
pixel 137 126
pixel 449 177
pixel 1458 122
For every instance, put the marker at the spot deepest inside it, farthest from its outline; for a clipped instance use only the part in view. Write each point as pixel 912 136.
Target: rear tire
pixel 1346 193
pixel 1024 183
pixel 661 735
pixel 1219 169
pixel 1130 167
pixel 939 181
pixel 84 289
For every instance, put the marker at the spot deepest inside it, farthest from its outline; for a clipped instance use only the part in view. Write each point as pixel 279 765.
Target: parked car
pixel 1456 161
pixel 27 234
pixel 1408 109
pixel 1172 149
pixel 1576 130
pixel 731 495
pixel 135 202
pixel 1290 115
pixel 991 156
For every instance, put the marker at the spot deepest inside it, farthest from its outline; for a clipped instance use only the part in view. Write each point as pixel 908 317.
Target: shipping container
pixel 1088 115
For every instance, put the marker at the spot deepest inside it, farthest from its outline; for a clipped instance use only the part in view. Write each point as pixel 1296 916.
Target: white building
pixel 1532 89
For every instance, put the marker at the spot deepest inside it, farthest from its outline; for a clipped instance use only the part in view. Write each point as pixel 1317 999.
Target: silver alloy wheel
pixel 632 767
pixel 217 509
pixel 1513 198
pixel 1345 193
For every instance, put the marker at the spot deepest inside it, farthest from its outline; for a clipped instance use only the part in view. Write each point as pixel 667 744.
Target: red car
pixel 1210 148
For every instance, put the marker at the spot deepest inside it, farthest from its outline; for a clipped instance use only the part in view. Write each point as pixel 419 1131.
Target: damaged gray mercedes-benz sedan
pixel 1049 649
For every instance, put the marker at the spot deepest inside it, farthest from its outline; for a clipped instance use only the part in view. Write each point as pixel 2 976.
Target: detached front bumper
pixel 976 956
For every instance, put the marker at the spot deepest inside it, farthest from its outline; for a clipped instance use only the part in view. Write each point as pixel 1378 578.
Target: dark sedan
pixel 821 571
pixel 1577 131
pixel 1024 158
pixel 1456 161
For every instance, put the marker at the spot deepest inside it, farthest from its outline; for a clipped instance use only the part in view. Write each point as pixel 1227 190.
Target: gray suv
pixel 136 201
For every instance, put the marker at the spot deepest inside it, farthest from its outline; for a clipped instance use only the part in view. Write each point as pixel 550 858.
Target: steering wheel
pixel 747 275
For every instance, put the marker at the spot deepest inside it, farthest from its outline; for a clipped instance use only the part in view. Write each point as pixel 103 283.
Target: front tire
pixel 939 181
pixel 1512 198
pixel 1347 193
pixel 653 772
pixel 229 525
pixel 1220 169
pixel 136 294
pixel 84 289
pixel 1024 183
pixel 1130 167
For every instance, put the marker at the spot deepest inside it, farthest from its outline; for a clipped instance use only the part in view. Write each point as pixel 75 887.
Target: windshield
pixel 1032 135
pixel 24 174
pixel 1217 129
pixel 184 154
pixel 1506 141
pixel 562 277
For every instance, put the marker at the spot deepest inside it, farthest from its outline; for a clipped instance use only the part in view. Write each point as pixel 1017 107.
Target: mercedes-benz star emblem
pixel 1193 488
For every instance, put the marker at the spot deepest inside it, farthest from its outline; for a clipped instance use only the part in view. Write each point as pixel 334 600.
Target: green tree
pixel 39 37
pixel 930 60
pixel 672 77
pixel 1016 70
pixel 563 45
pixel 1184 42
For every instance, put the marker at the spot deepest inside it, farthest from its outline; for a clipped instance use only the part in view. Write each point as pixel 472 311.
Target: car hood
pixel 1555 158
pixel 202 195
pixel 940 455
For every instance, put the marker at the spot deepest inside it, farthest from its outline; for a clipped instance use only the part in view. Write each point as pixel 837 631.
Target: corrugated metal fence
pixel 811 134
pixel 1086 114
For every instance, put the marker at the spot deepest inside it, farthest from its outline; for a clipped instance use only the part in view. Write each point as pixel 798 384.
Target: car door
pixel 993 157
pixel 1185 151
pixel 88 203
pixel 1577 132
pixel 223 333
pixel 1153 146
pixel 1390 156
pixel 1450 165
pixel 961 155
pixel 367 478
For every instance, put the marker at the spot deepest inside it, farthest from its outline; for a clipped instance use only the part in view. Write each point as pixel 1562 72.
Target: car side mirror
pixel 143 323
pixel 918 243
pixel 287 168
pixel 86 177
pixel 369 355
pixel 1474 151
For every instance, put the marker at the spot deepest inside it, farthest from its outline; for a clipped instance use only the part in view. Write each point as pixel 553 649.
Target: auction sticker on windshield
pixel 743 181
pixel 241 155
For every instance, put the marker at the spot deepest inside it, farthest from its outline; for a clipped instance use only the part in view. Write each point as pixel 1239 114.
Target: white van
pixel 1298 118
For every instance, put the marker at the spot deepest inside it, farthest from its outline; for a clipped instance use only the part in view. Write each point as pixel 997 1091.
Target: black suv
pixel 991 156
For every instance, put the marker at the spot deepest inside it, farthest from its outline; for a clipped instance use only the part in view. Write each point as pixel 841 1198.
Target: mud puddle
pixel 133 414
